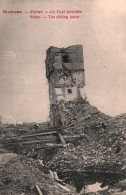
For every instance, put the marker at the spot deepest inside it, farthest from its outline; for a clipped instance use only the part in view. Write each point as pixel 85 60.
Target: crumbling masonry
pixel 65 74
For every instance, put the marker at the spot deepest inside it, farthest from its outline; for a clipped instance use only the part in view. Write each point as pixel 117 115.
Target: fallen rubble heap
pixel 92 143
pixel 101 145
pixel 21 175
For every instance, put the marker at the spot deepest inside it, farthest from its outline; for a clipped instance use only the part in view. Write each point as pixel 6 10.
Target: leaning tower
pixel 65 74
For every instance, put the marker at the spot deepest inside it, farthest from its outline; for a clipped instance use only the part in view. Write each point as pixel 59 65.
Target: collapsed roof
pixel 70 58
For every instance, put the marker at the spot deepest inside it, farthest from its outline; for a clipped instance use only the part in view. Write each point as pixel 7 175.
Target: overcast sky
pixel 24 41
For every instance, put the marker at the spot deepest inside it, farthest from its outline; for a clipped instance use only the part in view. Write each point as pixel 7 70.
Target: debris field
pixel 39 159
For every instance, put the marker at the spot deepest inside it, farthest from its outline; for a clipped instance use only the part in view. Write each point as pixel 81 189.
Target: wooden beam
pixel 39 141
pixel 63 187
pixel 35 141
pixel 54 145
pixel 72 136
pixel 37 134
pixel 38 189
pixel 62 139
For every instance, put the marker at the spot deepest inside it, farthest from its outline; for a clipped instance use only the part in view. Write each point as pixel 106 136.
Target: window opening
pixel 69 91
pixel 65 58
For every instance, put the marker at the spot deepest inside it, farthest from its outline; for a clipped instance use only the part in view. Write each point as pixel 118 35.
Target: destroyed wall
pixel 65 74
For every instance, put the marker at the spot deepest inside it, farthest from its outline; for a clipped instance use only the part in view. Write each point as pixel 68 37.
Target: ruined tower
pixel 65 74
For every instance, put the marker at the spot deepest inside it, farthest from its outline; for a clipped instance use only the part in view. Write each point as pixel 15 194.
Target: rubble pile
pixel 21 175
pixel 73 111
pixel 11 135
pixel 94 141
pixel 95 144
pixel 101 145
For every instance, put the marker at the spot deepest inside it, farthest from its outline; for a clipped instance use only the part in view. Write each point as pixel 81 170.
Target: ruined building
pixel 65 74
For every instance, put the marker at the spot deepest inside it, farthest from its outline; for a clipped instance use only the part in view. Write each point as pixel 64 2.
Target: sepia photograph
pixel 63 97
